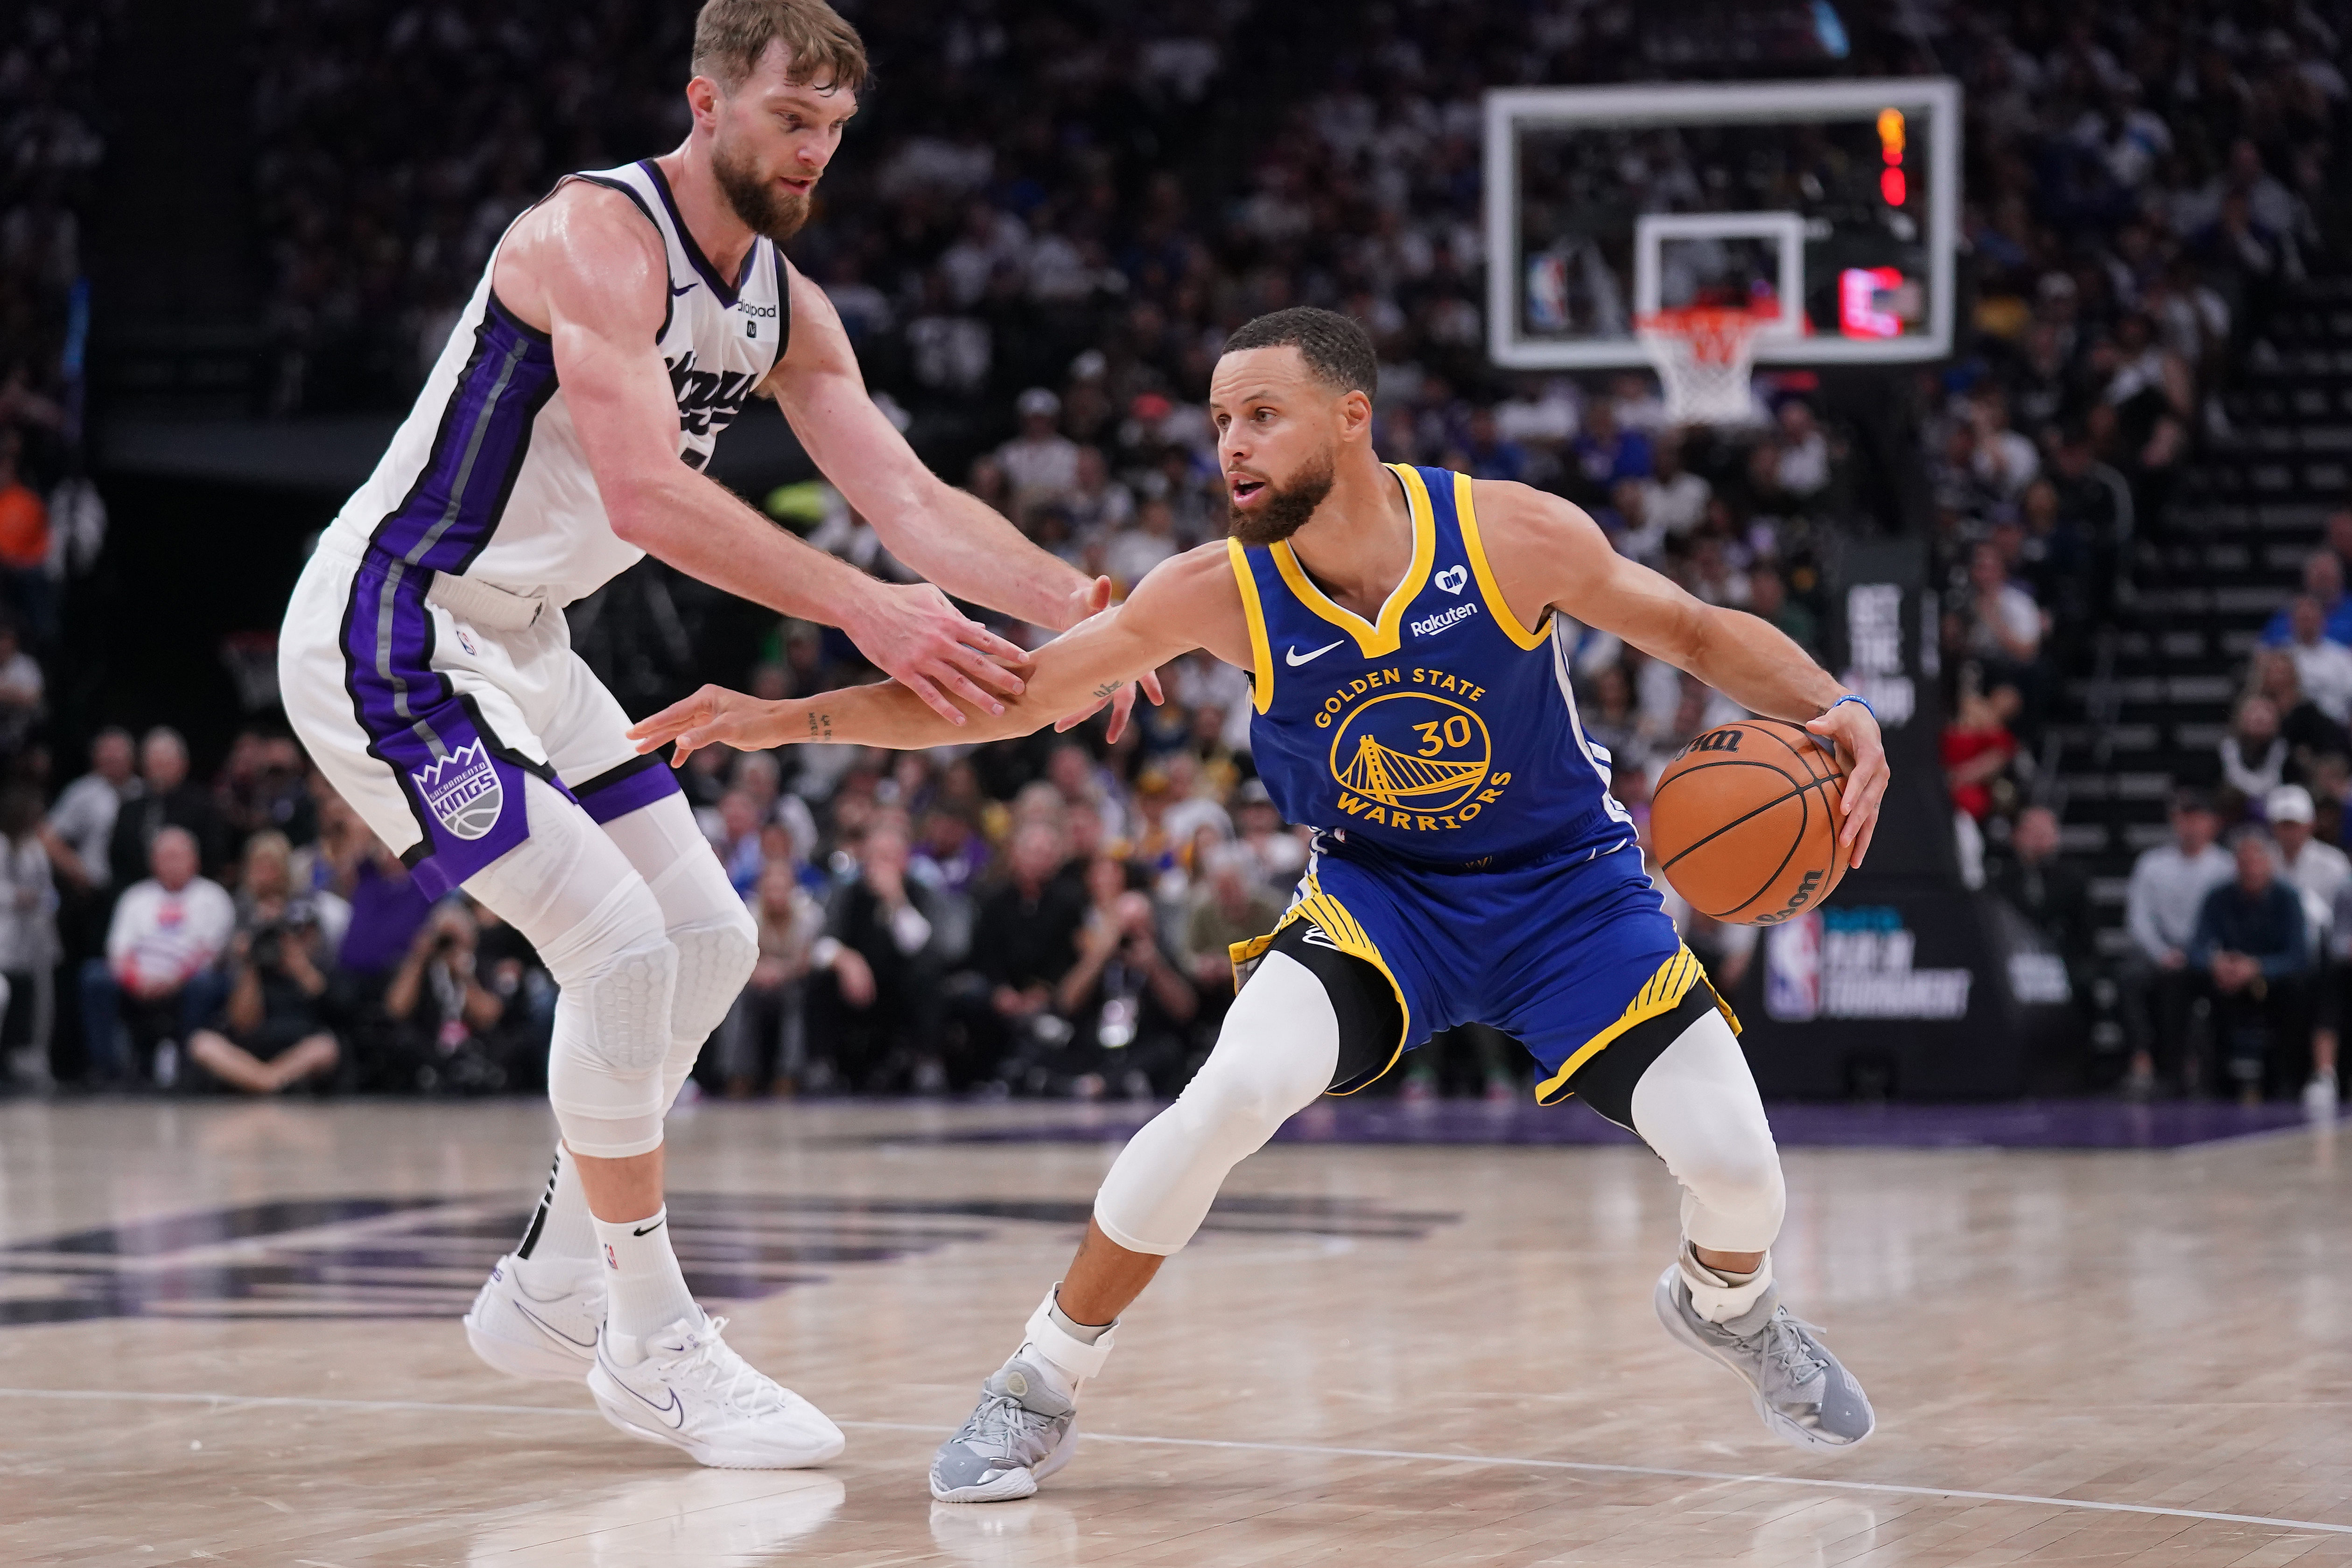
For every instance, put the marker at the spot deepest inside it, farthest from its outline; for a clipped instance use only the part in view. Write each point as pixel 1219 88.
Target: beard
pixel 762 207
pixel 1285 508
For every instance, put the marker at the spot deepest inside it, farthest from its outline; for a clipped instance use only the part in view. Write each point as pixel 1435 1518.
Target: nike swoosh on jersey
pixel 683 288
pixel 1294 658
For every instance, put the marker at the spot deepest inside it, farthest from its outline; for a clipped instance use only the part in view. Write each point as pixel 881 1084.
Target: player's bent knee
pixel 715 958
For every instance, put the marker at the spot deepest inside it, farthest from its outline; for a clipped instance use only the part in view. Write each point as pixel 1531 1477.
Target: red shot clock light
pixel 1891 181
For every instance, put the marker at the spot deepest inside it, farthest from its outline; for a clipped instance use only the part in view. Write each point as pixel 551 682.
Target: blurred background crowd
pixel 1044 222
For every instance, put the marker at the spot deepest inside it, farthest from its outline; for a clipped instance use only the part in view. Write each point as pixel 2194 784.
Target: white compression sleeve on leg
pixel 1696 1105
pixel 1276 1052
pixel 717 943
pixel 572 893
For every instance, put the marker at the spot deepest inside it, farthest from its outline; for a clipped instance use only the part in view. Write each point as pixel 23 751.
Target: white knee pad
pixel 716 941
pixel 1277 1053
pixel 1696 1105
pixel 599 931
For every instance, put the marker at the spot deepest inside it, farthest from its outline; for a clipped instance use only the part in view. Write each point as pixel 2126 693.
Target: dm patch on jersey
pixel 463 791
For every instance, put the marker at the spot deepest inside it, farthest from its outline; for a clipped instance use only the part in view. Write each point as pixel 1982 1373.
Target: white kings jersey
pixel 486 477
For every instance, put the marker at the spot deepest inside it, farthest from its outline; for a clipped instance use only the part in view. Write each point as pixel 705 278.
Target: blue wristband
pixel 1850 696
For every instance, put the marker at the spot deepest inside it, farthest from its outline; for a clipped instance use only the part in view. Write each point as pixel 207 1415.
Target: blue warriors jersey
pixel 1467 846
pixel 1446 733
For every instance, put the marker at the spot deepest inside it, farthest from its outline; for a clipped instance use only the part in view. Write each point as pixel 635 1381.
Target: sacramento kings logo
pixel 463 790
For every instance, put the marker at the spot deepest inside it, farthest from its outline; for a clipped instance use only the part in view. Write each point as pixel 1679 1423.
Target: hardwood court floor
pixel 227 1334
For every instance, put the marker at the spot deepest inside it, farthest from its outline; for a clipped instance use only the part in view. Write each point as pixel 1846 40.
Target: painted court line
pixel 1307 1449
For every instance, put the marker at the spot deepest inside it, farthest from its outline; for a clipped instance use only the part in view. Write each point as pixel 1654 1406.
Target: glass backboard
pixel 1605 202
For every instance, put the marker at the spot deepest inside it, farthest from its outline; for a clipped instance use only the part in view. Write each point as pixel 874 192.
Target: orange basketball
pixel 1745 821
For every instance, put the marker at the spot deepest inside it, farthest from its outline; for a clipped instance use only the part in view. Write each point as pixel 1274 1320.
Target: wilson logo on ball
pixel 1713 741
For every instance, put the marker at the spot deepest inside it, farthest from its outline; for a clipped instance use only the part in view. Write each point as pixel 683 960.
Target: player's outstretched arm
pixel 1187 602
pixel 586 268
pixel 1546 552
pixel 948 535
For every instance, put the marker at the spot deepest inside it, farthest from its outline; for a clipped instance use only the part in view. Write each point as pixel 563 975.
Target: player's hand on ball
pixel 913 635
pixel 713 716
pixel 1853 729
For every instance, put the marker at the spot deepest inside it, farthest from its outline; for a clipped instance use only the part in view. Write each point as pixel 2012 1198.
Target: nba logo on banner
pixel 1792 969
pixel 463 790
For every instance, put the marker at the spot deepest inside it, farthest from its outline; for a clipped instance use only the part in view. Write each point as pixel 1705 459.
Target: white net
pixel 1705 359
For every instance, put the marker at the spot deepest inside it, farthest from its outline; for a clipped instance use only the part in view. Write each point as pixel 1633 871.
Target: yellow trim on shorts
pixel 1262 689
pixel 1377 642
pixel 1349 936
pixel 1467 515
pixel 1662 994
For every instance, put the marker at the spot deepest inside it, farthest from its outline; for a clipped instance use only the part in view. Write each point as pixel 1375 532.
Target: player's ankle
pixel 644 1291
pixel 1078 1351
pixel 1718 1295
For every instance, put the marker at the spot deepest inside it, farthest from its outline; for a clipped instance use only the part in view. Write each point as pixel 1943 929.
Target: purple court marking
pixel 2029 1124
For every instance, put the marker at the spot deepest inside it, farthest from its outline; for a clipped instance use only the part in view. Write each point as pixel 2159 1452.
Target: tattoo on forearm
pixel 1108 687
pixel 819 726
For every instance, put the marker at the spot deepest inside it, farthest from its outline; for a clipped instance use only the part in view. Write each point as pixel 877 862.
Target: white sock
pixel 645 1292
pixel 1718 1295
pixel 561 1242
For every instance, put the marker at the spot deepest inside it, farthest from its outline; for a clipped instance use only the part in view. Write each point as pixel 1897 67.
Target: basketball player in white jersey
pixel 620 325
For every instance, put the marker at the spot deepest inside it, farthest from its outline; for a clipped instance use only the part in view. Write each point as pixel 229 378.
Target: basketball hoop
pixel 1704 357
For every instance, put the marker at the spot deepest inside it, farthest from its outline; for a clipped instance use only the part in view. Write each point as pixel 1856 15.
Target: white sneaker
pixel 524 1334
pixel 2319 1097
pixel 693 1393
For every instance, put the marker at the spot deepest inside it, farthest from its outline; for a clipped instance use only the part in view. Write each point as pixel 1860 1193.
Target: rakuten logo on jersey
pixel 1442 620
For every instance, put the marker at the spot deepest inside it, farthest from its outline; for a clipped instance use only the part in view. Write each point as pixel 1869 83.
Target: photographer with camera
pixel 448 1027
pixel 272 1034
pixel 1126 1002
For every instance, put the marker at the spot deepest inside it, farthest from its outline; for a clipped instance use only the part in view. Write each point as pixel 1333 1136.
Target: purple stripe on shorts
pixel 629 787
pixel 464 787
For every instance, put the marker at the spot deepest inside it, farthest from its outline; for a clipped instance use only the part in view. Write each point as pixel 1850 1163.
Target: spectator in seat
pixel 763 1044
pixel 893 922
pixel 2323 873
pixel 1673 497
pixel 25 542
pixel 28 937
pixel 156 983
pixel 1978 749
pixel 1999 622
pixel 22 689
pixel 2169 884
pixel 2322 667
pixel 2254 753
pixel 2050 893
pixel 1229 904
pixel 1275 856
pixel 2339 540
pixel 1024 941
pixel 451 1030
pixel 166 797
pixel 1144 544
pixel 1128 1003
pixel 1603 454
pixel 1767 597
pixel 272 1033
pixel 1040 462
pixel 2308 732
pixel 2323 579
pixel 2252 946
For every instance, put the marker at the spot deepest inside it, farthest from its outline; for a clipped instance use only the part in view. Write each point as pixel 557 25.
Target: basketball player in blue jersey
pixel 618 328
pixel 1403 632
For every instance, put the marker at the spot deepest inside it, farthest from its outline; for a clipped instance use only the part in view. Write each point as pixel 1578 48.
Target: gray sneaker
pixel 1805 1396
pixel 1023 1430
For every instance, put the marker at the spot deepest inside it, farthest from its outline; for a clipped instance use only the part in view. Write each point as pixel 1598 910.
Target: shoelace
pixel 1786 1352
pixel 739 1385
pixel 1007 1422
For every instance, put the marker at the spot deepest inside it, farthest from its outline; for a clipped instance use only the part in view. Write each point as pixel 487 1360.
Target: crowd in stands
pixel 1049 218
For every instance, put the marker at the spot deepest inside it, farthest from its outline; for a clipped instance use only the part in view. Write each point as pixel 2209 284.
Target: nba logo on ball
pixel 463 790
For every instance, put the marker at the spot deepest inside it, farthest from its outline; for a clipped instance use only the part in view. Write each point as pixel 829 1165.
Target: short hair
pixel 1334 347
pixel 2191 799
pixel 731 36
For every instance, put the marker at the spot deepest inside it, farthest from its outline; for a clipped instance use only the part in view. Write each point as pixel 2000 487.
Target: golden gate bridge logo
pixel 1428 756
